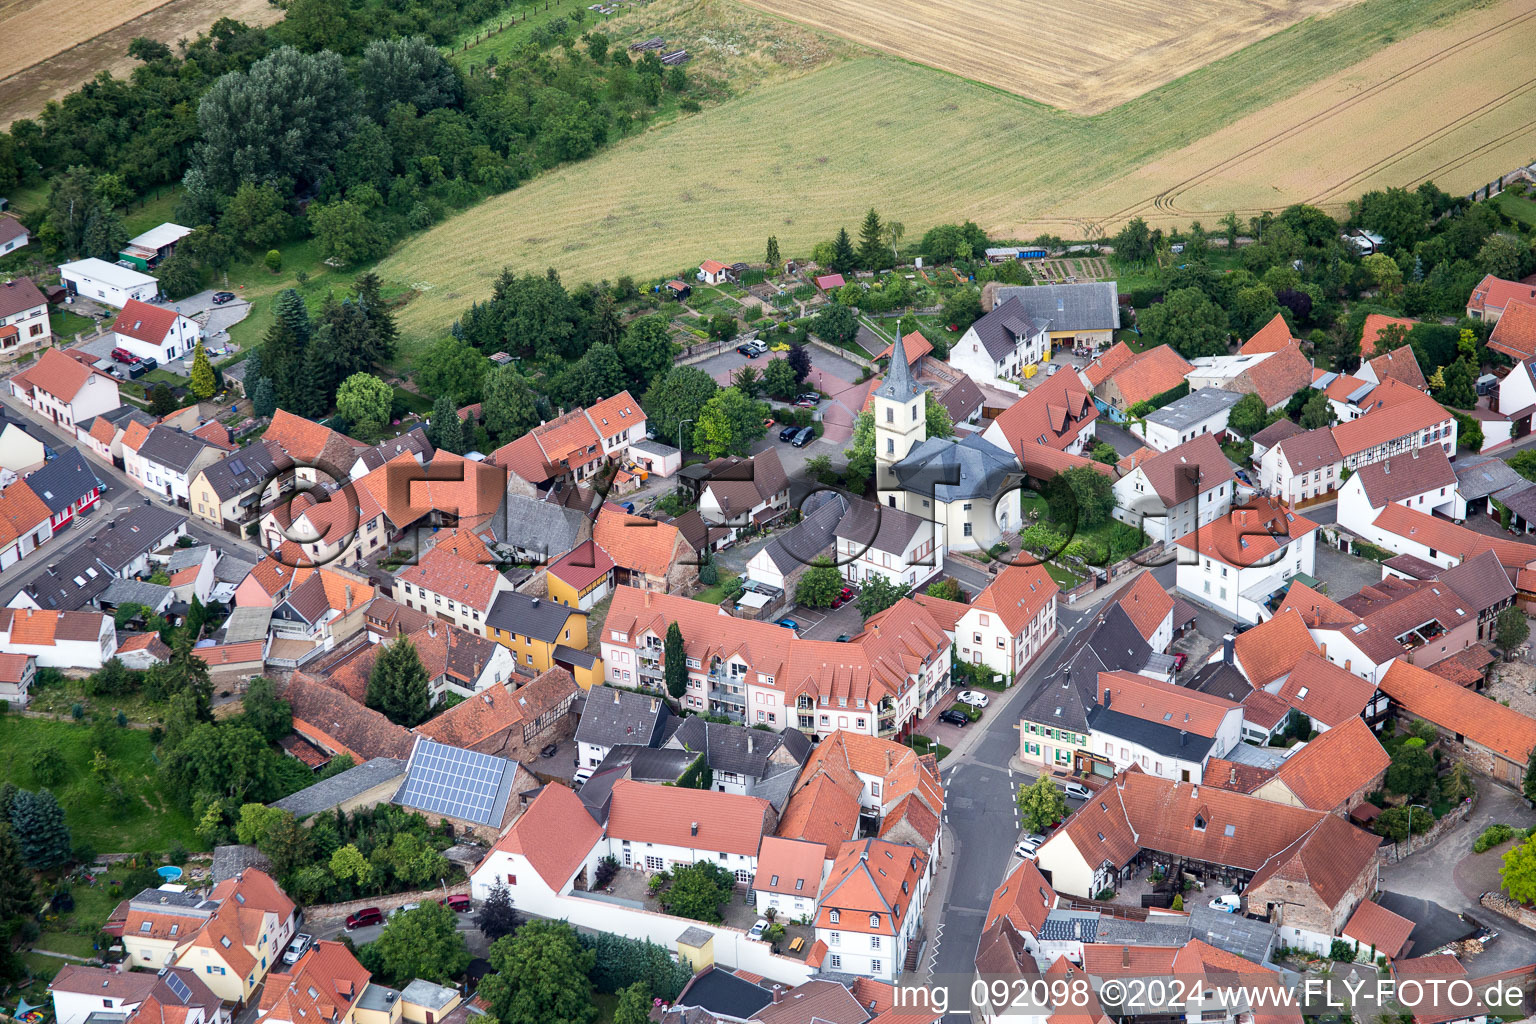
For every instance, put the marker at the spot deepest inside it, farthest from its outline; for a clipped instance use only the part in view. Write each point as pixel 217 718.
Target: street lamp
pixel 1410 823
pixel 680 427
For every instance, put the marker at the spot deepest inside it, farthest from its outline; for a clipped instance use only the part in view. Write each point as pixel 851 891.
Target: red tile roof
pixel 1017 595
pixel 329 971
pixel 1327 772
pixel 1107 362
pixel 790 867
pixel 1272 337
pixel 221 655
pixel 1397 410
pixel 1515 333
pixel 1459 710
pixel 1249 534
pixel 556 834
pixel 1377 928
pixel 440 571
pixel 702 819
pixel 1325 692
pixel 1147 603
pixel 1149 374
pixel 615 414
pixel 636 543
pixel 711 266
pixel 1401 365
pixel 1164 703
pixel 915 344
pixel 58 375
pixel 583 565
pixel 1272 648
pixel 1496 293
pixel 871 888
pixel 1411 473
pixel 1053 414
pixel 143 322
pixel 1456 541
pixel 1279 376
pixel 1025 898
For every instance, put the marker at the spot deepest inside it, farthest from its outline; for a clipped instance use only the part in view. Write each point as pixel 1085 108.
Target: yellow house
pixel 231 938
pixel 582 577
pixel 532 627
pixel 231 493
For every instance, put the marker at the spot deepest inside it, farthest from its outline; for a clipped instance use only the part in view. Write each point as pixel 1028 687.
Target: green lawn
pixel 142 818
pixel 1064 577
pixel 1517 207
pixel 65 325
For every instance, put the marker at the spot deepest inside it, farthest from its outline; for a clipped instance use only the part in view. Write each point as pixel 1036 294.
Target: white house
pixel 1201 412
pixel 714 272
pixel 19 450
pixel 999 345
pixel 168 459
pixel 877 540
pixel 65 389
pixel 743 493
pixel 619 421
pixel 23 317
pixel 1010 622
pixel 789 874
pixel 1179 491
pixel 871 908
pixel 1238 563
pixel 1513 397
pixel 1422 479
pixel 1303 466
pixel 79 991
pixel 106 282
pixel 154 332
pixel 656 828
pixel 542 854
pixel 81 640
pixel 612 717
pixel 782 559
pixel 13 235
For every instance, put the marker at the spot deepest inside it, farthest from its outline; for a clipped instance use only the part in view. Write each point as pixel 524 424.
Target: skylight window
pixel 1231 830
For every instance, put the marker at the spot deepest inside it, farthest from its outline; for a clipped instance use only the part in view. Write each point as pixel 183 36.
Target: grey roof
pixel 878 526
pixel 822 513
pixel 621 716
pixel 413 441
pixel 244 469
pixel 1194 408
pixel 229 861
pixel 1522 502
pixel 127 537
pixel 962 399
pixel 1000 330
pixel 173 447
pixel 1087 306
pixel 1235 933
pixel 1068 925
pixel 646 764
pixel 1124 932
pixel 81 576
pixel 739 749
pixel 247 623
pixel 539 526
pixel 1155 736
pixel 1480 581
pixel 1276 432
pixel 1111 644
pixel 185 558
pixel 121 592
pixel 537 617
pixel 1221 680
pixel 1479 479
pixel 327 793
pixel 232 569
pixel 378 998
pixel 953 470
pixel 898 385
pixel 64 481
pixel 776 789
pixel 235 371
pixel 424 993
pixel 120 418
pixel 572 656
pixel 656 448
pixel 718 990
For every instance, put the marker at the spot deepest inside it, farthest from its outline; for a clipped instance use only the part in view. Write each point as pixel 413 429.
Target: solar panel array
pixel 176 985
pixel 452 782
pixel 1081 929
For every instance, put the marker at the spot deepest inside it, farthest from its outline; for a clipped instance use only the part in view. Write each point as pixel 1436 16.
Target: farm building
pixel 679 290
pixel 1082 316
pixel 827 282
pixel 148 250
pixel 111 283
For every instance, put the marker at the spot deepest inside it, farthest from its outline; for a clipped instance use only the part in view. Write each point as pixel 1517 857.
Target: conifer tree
pixel 872 250
pixel 17 896
pixel 313 388
pixel 398 686
pixel 37 821
pixel 772 258
pixel 203 384
pixel 675 667
pixel 263 397
pixel 843 257
pixel 446 431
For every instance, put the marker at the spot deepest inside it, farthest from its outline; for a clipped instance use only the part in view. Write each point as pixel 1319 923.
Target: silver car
pixel 298 947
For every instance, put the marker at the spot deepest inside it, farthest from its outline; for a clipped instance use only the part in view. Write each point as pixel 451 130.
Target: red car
pixel 122 355
pixel 1179 658
pixel 364 917
pixel 459 903
pixel 846 594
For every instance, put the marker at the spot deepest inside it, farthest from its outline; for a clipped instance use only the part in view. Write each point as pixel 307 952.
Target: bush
pixel 274 260
pixel 1494 835
pixel 1342 951
pixel 708 574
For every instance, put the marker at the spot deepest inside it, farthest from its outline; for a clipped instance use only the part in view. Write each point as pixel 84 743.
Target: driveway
pixel 1345 574
pixel 1116 436
pixel 832 375
pixel 828 623
pixel 220 318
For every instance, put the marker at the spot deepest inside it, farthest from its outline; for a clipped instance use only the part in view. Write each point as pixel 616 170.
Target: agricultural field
pixel 802 156
pixel 1085 56
pixel 52 46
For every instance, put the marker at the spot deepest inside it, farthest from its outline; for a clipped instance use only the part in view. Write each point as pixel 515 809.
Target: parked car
pixel 298 947
pixel 581 776
pixel 122 355
pixel 838 602
pixel 1074 789
pixel 219 298
pixel 752 349
pixel 1029 846
pixel 459 903
pixel 954 717
pixel 804 437
pixel 788 433
pixel 756 931
pixel 975 698
pixel 1229 903
pixel 548 750
pixel 1179 658
pixel 846 593
pixel 789 623
pixel 811 397
pixel 365 917
pixel 404 908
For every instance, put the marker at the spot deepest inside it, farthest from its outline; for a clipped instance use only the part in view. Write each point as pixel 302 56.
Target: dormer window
pixel 874 920
pixel 1199 823
pixel 832 916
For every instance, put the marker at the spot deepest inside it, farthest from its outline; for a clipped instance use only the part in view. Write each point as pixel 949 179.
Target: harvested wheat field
pixel 803 157
pixel 1085 56
pixel 1456 105
pixel 63 43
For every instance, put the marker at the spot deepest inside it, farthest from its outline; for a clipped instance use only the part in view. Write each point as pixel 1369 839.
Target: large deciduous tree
pixel 1187 320
pixel 509 407
pixel 539 976
pixel 365 402
pixel 728 424
pixel 411 70
pixel 421 943
pixel 1041 804
pixel 675 398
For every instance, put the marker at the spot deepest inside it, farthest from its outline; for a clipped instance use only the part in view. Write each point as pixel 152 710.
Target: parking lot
pixel 1344 574
pixel 828 623
pixel 219 320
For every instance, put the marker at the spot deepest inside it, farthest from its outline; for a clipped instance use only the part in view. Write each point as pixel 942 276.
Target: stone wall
pixel 1391 853
pixel 336 911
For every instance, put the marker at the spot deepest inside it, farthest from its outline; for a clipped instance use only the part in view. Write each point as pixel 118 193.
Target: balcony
pixel 887 726
pixel 727 696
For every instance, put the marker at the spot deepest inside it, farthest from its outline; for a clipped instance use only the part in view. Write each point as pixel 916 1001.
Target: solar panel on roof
pixel 237 465
pixel 453 782
pixel 176 985
pixel 1324 381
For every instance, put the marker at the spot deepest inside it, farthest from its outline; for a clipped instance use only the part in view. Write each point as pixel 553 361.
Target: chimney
pixel 749 744
pixel 616 698
pixel 535 602
pixel 778 993
pixel 1232 775
pixel 693 829
pixel 1108 693
pixel 1183 737
pixel 1228 644
pixel 655 705
pixel 1125 956
pixel 1386 468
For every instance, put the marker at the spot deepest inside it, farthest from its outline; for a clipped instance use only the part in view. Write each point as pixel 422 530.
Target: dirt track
pixel 23 93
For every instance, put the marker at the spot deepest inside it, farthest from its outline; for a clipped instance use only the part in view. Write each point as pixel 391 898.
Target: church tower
pixel 901 415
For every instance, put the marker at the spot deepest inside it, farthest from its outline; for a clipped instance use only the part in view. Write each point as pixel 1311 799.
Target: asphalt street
pixel 118 494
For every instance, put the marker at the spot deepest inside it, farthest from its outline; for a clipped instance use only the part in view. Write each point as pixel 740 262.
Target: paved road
pixel 118 493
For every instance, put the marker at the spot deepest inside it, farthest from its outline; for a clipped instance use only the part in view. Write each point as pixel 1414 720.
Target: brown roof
pixel 1147 603
pixel 1017 595
pixel 817 1001
pixel 1024 898
pixel 19 294
pixel 1325 773
pixel 1401 365
pixel 1277 432
pixel 1264 709
pixel 1447 537
pixel 1044 462
pixel 440 571
pixel 1375 926
pixel 1053 414
pixel 1164 703
pixel 702 819
pixel 1328 859
pixel 1479 581
pixel 1279 376
pixel 555 834
pixel 739 485
pixel 1515 333
pixel 1396 410
pixel 143 322
pixel 11 228
pixel 1408 474
pixel 1451 707
pixel 498 708
pixel 1309 450
pixel 1392 607
pixel 336 722
pixel 222 655
pixel 1272 337
pixel 1107 362
pixel 1150 373
pixel 1235 775
pixel 634 543
pixel 583 565
pixel 1187 471
pixel 58 375
pixel 46 628
pixel 1375 323
pixel 1271 649
pixel 1325 692
pixel 915 344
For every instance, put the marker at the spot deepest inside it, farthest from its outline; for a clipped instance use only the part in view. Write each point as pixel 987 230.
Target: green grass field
pixel 1519 208
pixel 141 819
pixel 802 157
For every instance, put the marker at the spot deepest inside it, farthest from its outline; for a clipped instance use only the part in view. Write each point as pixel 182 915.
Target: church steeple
pixel 901 417
pixel 898 385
